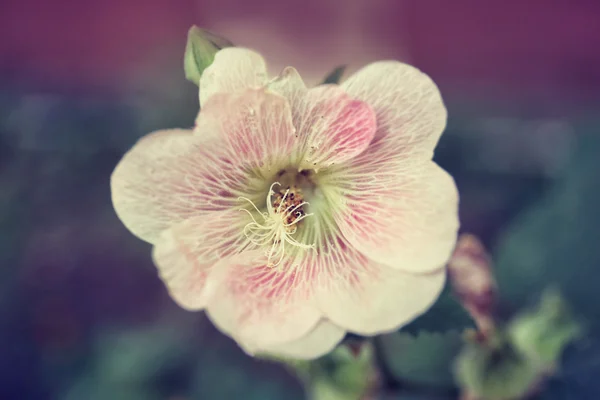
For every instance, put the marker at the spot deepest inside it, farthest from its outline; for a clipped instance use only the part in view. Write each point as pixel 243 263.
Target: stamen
pixel 251 203
pixel 295 208
pixel 278 226
pixel 282 201
pixel 271 193
pixel 250 214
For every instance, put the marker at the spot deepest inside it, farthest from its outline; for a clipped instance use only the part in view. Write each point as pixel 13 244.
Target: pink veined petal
pixel 170 176
pixel 233 69
pixel 368 298
pixel 260 307
pixel 332 127
pixel 321 340
pixel 255 125
pixel 408 223
pixel 411 115
pixel 186 253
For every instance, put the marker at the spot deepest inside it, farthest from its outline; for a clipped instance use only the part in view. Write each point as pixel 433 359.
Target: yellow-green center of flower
pixel 274 228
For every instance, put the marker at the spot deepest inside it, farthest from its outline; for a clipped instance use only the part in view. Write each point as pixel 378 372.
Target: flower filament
pixel 279 223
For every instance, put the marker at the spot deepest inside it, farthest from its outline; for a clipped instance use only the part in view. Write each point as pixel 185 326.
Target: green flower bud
pixel 543 333
pixel 200 52
pixel 495 372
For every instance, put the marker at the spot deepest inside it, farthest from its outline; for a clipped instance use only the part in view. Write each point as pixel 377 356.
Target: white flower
pixel 293 215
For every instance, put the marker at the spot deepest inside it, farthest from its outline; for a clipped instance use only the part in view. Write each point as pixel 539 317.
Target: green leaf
pixel 447 314
pixel 200 51
pixel 335 76
pixel 424 359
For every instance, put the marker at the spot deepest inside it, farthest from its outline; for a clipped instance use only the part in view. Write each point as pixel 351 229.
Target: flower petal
pixel 331 127
pixel 234 69
pixel 260 307
pixel 321 340
pixel 146 181
pixel 369 298
pixel 410 113
pixel 356 292
pixel 256 127
pixel 186 253
pixel 408 223
pixel 170 176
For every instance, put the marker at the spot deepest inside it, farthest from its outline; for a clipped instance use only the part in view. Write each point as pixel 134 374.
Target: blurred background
pixel 83 314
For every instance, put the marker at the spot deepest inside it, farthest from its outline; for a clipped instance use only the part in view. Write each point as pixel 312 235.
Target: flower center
pixel 275 228
pixel 289 205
